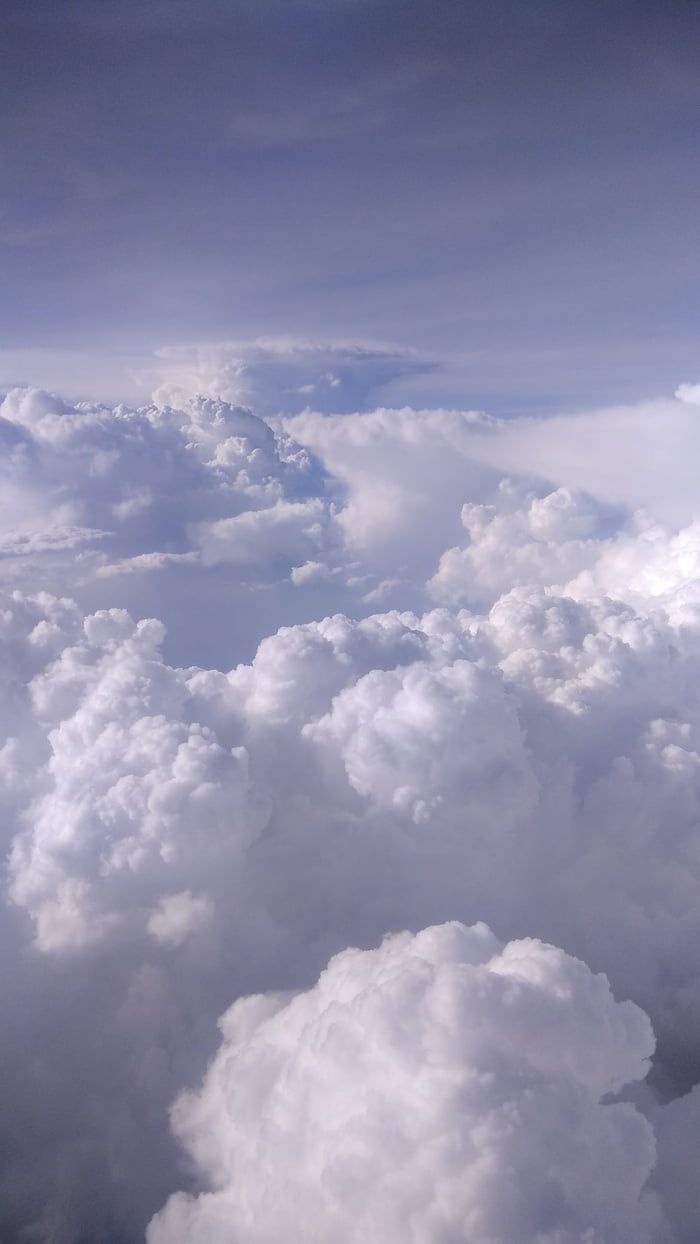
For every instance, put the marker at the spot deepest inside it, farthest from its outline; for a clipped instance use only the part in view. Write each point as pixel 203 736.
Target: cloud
pixel 177 916
pixel 309 572
pixel 282 374
pixel 129 774
pixel 440 1087
pixel 633 456
pixel 522 539
pixel 287 529
pixel 394 730
pixel 94 496
pixel 415 689
pixel 689 393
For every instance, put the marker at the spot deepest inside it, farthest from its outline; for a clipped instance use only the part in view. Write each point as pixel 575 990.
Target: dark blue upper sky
pixel 511 185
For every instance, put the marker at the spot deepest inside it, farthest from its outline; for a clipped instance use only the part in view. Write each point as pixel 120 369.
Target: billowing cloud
pixel 440 1087
pixel 400 688
pixel 136 789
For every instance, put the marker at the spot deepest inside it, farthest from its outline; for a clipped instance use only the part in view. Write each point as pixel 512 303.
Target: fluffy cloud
pixel 135 788
pixel 138 507
pixel 395 731
pixel 287 530
pixel 513 737
pixel 440 1087
pixel 148 481
pixel 523 539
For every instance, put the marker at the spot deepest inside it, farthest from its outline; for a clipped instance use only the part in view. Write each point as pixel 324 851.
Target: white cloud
pixel 287 529
pixel 523 538
pixel 441 1087
pixel 517 741
pixel 177 916
pixel 309 572
pixel 689 393
pixel 396 729
pixel 136 793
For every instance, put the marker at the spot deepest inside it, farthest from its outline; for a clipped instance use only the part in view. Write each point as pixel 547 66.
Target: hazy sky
pixel 509 187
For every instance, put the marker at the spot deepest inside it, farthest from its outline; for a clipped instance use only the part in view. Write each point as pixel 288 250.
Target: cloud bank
pixel 276 685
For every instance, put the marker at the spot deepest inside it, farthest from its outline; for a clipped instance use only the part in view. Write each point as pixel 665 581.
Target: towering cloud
pixel 442 1087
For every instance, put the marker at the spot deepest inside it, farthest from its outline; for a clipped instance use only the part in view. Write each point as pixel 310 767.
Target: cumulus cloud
pixel 440 1087
pixel 95 497
pixel 287 529
pixel 403 686
pixel 689 393
pixel 524 538
pixel 309 572
pixel 177 916
pixel 135 789
pixel 144 478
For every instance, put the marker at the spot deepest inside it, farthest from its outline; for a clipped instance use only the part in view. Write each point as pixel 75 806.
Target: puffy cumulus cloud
pixel 607 701
pixel 297 672
pixel 689 393
pixel 147 481
pixel 536 763
pixel 177 916
pixel 137 508
pixel 571 544
pixel 651 564
pixel 524 538
pixel 286 530
pixel 309 572
pixel 442 1087
pixel 395 731
pixel 33 630
pixel 447 697
pixel 136 793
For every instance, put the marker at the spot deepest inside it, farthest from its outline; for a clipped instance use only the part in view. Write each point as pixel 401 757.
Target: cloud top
pixel 442 1087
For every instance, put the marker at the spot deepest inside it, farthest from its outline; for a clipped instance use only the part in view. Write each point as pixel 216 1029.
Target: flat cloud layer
pixel 394 684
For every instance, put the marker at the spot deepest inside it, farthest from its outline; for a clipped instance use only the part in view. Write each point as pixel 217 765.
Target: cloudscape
pixel 350 622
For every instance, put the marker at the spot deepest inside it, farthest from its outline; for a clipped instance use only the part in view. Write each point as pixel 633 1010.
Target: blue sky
pixel 509 189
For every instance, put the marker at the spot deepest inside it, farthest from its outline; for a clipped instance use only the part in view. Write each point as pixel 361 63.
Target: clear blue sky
pixel 512 186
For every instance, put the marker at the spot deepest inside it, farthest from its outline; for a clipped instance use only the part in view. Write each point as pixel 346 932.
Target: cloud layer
pixel 278 686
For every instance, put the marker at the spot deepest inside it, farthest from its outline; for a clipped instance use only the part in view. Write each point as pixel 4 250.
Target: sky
pixel 349 623
pixel 509 189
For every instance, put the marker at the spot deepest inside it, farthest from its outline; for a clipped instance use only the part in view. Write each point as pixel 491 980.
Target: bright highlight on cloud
pixel 276 685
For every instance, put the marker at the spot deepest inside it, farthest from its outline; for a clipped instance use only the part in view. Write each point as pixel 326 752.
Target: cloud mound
pixel 442 1087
